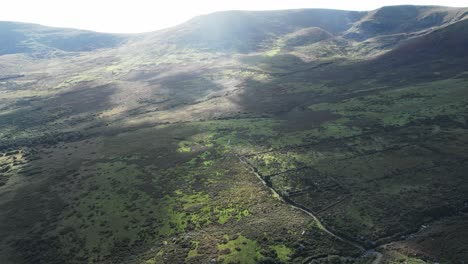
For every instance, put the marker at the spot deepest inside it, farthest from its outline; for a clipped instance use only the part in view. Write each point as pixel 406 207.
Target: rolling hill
pixel 44 41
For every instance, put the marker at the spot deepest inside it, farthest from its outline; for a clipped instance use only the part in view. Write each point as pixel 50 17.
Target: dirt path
pixel 319 223
pixel 378 255
pixel 378 258
pixel 365 252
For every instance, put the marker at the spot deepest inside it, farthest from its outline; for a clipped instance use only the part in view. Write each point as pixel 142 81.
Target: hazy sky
pixel 127 16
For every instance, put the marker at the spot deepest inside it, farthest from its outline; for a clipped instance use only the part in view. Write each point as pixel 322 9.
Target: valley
pixel 295 136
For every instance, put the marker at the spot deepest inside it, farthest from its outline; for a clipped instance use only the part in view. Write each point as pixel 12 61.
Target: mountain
pixel 292 136
pixel 41 40
pixel 247 31
pixel 404 19
pixel 444 43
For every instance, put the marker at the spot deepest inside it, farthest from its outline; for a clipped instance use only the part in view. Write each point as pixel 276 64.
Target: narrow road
pixel 378 257
pixel 319 223
pixel 365 252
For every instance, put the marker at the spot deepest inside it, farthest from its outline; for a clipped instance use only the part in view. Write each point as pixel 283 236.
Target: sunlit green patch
pixel 396 258
pixel 283 252
pixel 272 162
pixel 272 52
pixel 12 163
pixel 225 136
pixel 194 250
pixel 225 214
pixel 208 163
pixel 204 159
pixel 241 250
pixel 184 147
pixel 183 210
pixel 150 261
pixel 116 210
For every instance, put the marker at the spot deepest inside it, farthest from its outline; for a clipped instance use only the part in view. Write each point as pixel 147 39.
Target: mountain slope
pixel 404 19
pixel 40 40
pixel 248 31
pixel 445 43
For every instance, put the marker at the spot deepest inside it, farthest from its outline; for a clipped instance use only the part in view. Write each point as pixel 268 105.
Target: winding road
pixel 311 214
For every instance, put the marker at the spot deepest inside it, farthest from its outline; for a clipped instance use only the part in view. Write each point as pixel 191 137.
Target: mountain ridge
pixel 245 31
pixel 17 37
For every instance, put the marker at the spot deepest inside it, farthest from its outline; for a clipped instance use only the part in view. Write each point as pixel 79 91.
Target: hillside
pixel 295 136
pixel 45 41
pixel 245 31
pixel 404 19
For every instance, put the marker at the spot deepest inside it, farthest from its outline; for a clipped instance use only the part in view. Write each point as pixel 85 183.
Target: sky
pixel 134 16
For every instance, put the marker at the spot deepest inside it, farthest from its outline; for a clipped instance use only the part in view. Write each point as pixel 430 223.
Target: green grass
pixel 241 250
pixel 401 106
pixel 227 214
pixel 283 252
pixel 194 252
